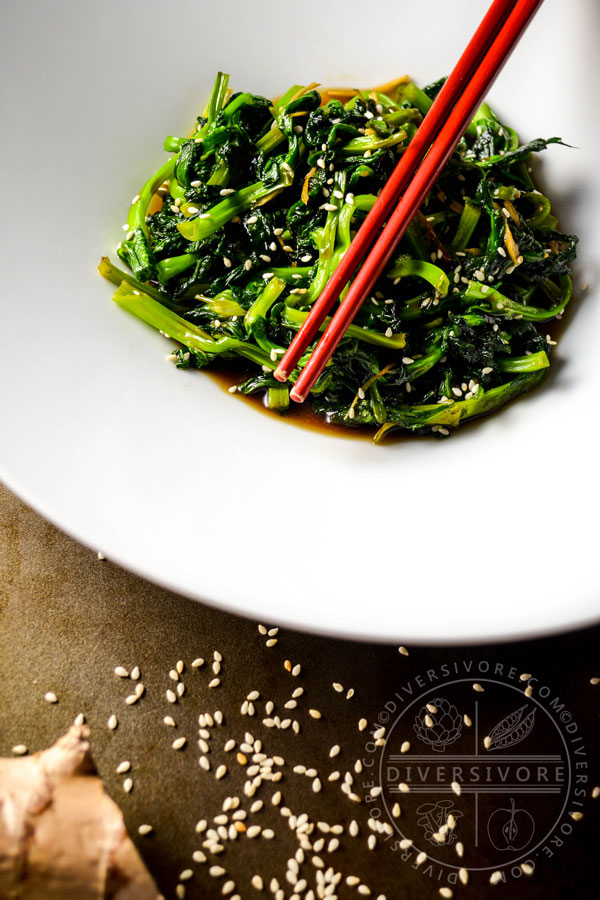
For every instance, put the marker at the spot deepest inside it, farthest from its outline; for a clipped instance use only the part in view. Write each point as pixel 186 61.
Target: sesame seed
pixel 428 721
pixel 186 875
pixel 445 892
pixel 128 785
pixel 321 163
pixel 204 763
pixel 171 696
pixel 372 842
pixel 123 767
pixel 197 662
pixel 121 672
pixel 226 262
pixel 527 868
pixel 214 683
pixel 179 743
pixel 362 724
pixel 496 877
pixel 112 722
pixel 405 843
pixel 296 670
pixel 477 687
pixel 459 849
pixel 221 772
pixel 180 891
pixel 20 750
pixel 576 816
pixel 456 788
pixel 487 742
pixel 403 651
pixel 50 697
pixel 388 332
pixel 464 876
pixel 338 687
pixel 596 793
pixel 403 787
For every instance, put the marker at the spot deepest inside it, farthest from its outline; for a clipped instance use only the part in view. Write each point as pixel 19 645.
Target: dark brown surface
pixel 67 619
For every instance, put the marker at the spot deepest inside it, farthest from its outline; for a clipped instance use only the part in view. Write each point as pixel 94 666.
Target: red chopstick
pixel 444 143
pixel 397 182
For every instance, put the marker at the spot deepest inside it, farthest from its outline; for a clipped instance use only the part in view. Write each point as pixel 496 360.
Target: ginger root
pixel 61 836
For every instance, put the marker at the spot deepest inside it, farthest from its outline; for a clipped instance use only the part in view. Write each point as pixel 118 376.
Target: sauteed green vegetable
pixel 230 243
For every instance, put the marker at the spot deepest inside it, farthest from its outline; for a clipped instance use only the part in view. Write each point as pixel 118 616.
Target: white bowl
pixel 488 535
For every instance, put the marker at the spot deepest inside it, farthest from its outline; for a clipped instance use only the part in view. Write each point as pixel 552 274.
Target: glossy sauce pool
pixel 301 415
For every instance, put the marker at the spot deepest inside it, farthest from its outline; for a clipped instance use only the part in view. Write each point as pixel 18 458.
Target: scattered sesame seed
pixel 135 673
pixel 445 892
pixel 463 876
pixel 596 793
pixel 477 687
pixel 576 816
pixel 496 877
pixel 214 683
pixel 527 868
pixel 180 891
pixel 179 743
pixel 459 849
pixel 50 697
pixel 123 767
pixel 487 742
pixel 20 750
pixel 221 772
pixel 112 722
pixel 403 787
pixel 388 332
pixel 128 785
pixel 171 696
pixel 121 671
pixel 456 788
pixel 372 842
pixel 405 843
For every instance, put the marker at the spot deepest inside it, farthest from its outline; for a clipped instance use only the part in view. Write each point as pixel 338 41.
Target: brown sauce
pixel 301 415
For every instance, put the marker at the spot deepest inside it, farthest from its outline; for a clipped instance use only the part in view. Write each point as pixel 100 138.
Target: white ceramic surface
pixel 490 534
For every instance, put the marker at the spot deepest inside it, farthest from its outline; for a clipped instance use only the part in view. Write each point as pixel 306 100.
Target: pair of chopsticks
pixel 407 187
